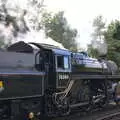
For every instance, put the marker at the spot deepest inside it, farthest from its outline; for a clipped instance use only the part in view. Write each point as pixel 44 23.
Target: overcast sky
pixel 80 13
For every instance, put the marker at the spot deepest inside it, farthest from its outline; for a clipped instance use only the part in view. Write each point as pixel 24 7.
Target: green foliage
pixel 116 34
pixel 111 36
pixel 21 20
pixel 98 26
pixel 93 52
pixel 113 44
pixel 18 19
pixel 94 49
pixel 57 28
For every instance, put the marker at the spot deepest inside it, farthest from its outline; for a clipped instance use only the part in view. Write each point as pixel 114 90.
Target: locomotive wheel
pixel 55 107
pixel 95 106
pixel 48 105
pixel 63 107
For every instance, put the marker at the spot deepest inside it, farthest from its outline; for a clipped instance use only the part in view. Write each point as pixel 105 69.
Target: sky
pixel 80 14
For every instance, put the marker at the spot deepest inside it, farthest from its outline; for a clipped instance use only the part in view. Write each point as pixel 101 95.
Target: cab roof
pixel 28 48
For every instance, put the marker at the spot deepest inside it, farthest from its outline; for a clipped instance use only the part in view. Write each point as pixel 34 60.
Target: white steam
pixel 32 18
pixel 101 46
pixel 38 37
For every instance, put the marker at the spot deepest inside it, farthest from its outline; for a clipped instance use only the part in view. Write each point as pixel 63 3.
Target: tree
pixel 98 46
pixel 111 37
pixel 22 19
pixel 57 28
pixel 116 32
pixel 93 52
pixel 34 14
pixel 99 27
pixel 18 20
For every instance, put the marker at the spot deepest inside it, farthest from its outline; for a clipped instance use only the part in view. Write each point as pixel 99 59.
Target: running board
pixel 91 77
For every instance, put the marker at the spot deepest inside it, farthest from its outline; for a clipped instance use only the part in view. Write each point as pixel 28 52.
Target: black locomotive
pixel 40 80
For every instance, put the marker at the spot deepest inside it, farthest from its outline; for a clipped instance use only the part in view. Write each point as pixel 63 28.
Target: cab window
pixel 66 62
pixel 39 62
pixel 62 62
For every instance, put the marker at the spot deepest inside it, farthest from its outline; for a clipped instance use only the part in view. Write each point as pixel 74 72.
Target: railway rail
pixel 112 112
pixel 114 116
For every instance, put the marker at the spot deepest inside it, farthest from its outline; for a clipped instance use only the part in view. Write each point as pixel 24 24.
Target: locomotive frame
pixel 42 82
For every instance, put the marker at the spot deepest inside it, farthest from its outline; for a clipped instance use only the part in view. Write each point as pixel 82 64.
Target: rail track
pixel 112 112
pixel 114 116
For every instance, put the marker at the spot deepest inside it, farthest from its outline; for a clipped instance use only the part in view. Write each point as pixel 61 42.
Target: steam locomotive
pixel 39 80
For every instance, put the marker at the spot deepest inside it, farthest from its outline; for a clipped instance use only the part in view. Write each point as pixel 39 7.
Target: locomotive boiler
pixel 41 79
